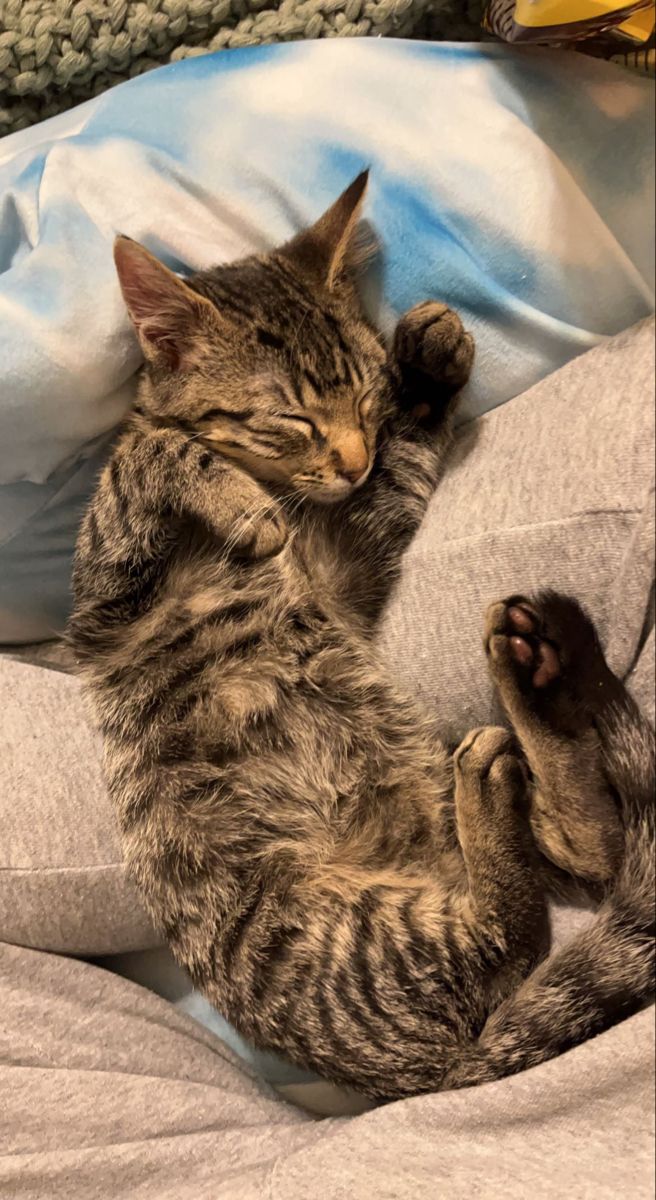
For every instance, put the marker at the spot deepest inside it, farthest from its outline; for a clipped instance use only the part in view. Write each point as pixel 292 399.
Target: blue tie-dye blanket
pixel 514 184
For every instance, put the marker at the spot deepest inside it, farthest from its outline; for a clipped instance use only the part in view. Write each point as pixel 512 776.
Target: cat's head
pixel 269 360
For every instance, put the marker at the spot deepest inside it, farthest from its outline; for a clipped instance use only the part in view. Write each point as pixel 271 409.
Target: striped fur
pixel 340 886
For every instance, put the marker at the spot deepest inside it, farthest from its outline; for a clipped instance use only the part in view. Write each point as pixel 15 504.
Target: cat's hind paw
pixel 547 647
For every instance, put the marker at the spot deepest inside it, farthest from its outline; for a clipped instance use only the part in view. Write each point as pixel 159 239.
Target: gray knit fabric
pixel 55 53
pixel 107 1093
pixel 62 884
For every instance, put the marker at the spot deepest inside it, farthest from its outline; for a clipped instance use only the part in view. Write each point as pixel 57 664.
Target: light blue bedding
pixel 514 184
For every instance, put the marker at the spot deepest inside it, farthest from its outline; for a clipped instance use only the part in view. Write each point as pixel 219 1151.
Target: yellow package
pixel 624 32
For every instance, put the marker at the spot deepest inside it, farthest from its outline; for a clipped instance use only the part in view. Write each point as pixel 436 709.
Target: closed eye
pixel 309 428
pixel 293 417
pixel 229 414
pixel 365 405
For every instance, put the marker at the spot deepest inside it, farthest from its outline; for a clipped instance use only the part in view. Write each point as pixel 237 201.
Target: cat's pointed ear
pixel 168 316
pixel 328 248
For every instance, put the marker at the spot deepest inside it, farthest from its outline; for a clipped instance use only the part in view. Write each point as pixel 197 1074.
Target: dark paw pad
pixel 546 642
pixel 528 648
pixel 516 633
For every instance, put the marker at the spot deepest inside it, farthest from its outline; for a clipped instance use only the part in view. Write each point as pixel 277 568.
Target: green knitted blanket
pixel 55 53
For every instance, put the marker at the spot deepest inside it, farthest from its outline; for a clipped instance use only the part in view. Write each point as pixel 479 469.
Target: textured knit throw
pixel 55 53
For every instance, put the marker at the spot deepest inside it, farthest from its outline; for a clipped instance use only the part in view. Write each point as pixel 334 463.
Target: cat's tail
pixel 607 971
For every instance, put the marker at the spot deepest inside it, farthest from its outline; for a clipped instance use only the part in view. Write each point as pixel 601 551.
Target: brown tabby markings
pixel 338 886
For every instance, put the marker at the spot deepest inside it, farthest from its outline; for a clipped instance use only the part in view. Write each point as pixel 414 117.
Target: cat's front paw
pixel 260 537
pixel 431 340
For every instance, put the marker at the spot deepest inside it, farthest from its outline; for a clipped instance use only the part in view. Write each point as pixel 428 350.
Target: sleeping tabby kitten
pixel 339 886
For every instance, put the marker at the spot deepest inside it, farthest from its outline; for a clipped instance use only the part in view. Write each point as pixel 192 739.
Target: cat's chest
pixel 318 563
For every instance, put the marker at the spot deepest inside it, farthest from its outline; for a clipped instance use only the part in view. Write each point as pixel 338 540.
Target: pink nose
pixel 351 457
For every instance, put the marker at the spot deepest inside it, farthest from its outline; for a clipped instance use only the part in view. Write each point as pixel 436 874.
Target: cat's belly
pixel 273 744
pixel 243 701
